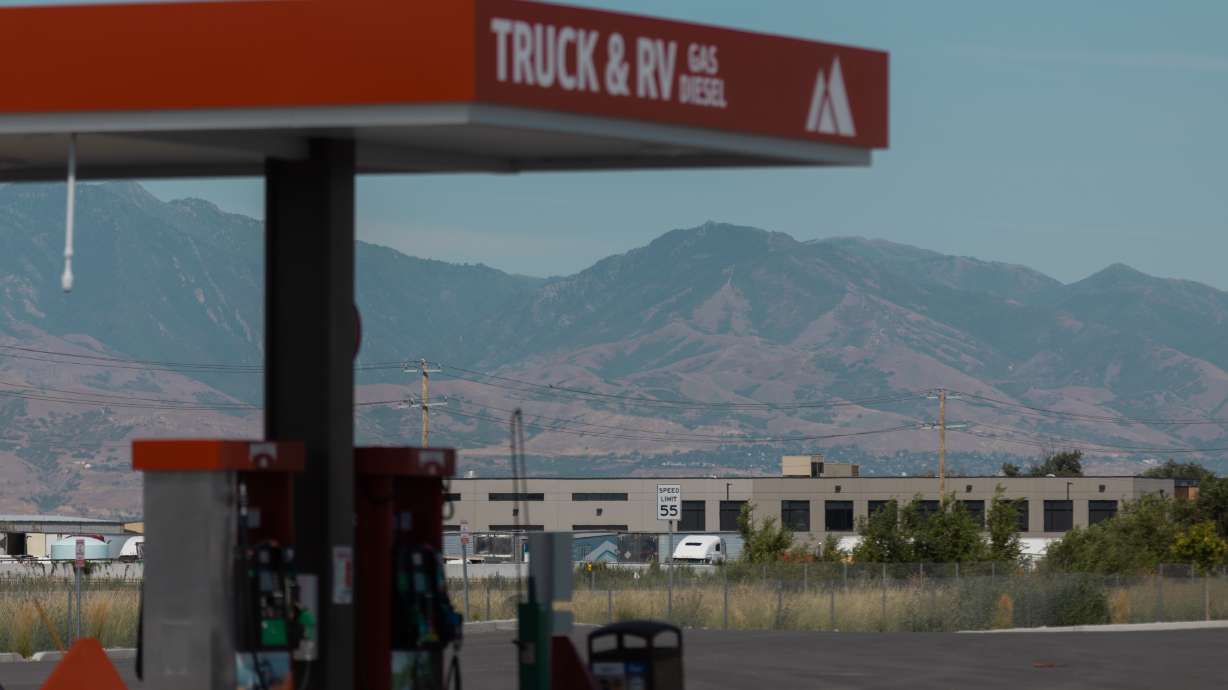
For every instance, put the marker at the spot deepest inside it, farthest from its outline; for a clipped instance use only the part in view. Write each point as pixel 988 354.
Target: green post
pixel 533 644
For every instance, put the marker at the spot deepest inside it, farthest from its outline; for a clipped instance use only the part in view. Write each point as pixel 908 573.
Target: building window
pixel 838 516
pixel 513 528
pixel 1022 506
pixel 795 515
pixel 876 506
pixel 730 510
pixel 692 517
pixel 977 510
pixel 599 528
pixel 927 508
pixel 598 496
pixel 520 496
pixel 451 498
pixel 451 528
pixel 1099 511
pixel 1059 516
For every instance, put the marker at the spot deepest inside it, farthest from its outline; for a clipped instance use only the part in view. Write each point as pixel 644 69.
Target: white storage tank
pixel 66 549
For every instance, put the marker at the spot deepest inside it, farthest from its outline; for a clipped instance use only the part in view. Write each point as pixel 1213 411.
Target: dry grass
pixel 110 608
pixel 905 605
pixel 109 614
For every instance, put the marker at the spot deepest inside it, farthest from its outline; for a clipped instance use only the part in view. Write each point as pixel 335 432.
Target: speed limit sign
pixel 669 501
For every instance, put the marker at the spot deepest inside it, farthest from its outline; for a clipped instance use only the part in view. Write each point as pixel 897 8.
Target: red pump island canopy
pixel 309 93
pixel 215 88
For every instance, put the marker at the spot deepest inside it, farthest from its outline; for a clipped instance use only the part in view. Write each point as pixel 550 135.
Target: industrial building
pixel 810 497
pixel 31 536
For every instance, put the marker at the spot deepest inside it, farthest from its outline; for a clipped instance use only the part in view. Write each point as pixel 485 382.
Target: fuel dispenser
pixel 405 618
pixel 223 608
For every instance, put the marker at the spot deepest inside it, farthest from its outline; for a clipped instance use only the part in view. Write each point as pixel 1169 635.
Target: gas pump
pixel 405 618
pixel 223 608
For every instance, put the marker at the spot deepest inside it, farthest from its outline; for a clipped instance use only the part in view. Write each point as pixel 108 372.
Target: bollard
pixel 488 600
pixel 805 577
pixel 609 605
pixel 845 570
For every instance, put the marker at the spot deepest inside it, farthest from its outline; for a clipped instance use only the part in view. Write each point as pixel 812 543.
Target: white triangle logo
pixel 829 105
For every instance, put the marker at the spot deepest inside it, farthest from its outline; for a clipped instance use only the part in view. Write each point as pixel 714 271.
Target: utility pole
pixel 425 402
pixel 942 442
pixel 941 395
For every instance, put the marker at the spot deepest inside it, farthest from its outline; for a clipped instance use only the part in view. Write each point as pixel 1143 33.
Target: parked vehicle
pixel 133 550
pixel 700 548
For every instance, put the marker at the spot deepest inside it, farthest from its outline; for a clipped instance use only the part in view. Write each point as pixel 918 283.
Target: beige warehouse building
pixel 827 499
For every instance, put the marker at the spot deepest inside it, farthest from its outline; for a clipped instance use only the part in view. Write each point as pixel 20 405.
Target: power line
pixel 519 384
pixel 1044 441
pixel 1081 416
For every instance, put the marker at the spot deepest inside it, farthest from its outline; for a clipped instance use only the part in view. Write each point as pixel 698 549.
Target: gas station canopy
pixel 217 88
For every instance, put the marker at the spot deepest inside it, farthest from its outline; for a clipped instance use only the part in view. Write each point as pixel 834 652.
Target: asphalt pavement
pixel 777 660
pixel 715 659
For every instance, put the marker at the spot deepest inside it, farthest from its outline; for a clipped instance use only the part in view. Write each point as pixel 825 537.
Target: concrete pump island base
pixel 310 93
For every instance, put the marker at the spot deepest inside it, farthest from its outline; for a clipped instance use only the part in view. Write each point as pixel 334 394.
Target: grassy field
pixel 905 604
pixel 109 613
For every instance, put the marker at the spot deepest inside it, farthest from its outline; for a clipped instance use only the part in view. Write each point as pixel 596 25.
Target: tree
pixel 950 535
pixel 909 534
pixel 1010 469
pixel 766 542
pixel 1212 504
pixel 1002 522
pixel 1137 540
pixel 1199 545
pixel 1180 470
pixel 882 539
pixel 1067 463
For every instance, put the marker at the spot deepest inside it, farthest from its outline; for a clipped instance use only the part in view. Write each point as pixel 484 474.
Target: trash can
pixel 636 655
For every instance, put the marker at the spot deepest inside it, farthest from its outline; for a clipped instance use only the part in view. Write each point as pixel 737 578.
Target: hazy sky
pixel 1061 135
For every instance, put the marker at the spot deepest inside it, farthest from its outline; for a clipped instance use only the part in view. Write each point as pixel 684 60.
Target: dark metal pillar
pixel 309 372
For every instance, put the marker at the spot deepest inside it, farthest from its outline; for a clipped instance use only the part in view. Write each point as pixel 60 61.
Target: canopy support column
pixel 309 373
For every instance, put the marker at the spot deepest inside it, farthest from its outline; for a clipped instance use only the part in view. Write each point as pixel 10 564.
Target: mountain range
pixel 712 349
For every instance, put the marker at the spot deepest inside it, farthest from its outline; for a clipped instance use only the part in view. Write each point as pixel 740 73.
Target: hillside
pixel 711 349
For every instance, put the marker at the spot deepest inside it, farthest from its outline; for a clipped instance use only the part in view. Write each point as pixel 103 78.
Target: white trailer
pixel 700 548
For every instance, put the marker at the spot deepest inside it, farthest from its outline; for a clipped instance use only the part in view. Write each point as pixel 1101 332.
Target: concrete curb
pixel 477 627
pixel 508 625
pixel 1113 627
pixel 47 656
pixel 116 654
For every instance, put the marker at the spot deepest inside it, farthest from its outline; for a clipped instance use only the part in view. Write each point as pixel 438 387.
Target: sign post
pixel 464 539
pixel 78 566
pixel 669 505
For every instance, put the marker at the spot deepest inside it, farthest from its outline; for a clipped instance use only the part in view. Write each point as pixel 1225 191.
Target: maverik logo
pixel 829 106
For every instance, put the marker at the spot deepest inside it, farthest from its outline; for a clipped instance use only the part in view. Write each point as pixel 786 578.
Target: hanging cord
pixel 69 212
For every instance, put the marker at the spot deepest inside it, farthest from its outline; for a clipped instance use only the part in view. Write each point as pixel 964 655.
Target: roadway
pixel 714 659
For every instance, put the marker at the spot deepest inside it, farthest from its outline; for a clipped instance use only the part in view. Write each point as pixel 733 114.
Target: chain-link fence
pixel 868 597
pixel 40 613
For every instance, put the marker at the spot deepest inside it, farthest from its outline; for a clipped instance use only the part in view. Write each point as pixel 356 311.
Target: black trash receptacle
pixel 636 655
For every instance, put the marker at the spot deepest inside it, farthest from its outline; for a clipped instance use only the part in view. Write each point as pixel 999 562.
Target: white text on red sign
pixel 543 55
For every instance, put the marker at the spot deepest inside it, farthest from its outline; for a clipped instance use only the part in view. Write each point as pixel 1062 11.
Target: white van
pixel 700 548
